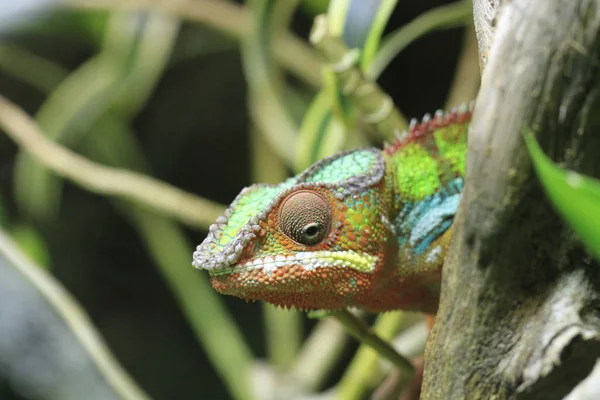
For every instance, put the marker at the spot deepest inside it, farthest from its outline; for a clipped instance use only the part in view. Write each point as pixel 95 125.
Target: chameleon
pixel 365 228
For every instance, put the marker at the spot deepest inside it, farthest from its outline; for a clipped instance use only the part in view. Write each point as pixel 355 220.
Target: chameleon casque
pixel 366 228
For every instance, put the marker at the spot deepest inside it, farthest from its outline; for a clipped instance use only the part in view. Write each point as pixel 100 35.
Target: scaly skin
pixel 365 228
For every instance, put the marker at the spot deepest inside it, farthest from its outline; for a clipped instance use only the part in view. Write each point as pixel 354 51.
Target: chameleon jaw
pixel 306 260
pixel 303 280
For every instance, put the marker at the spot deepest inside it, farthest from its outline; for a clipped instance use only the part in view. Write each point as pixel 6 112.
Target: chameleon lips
pixel 306 260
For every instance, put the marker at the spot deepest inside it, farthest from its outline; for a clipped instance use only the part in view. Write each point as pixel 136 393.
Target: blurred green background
pixel 168 97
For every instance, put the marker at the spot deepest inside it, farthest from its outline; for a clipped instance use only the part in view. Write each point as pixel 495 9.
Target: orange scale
pixel 363 242
pixel 345 227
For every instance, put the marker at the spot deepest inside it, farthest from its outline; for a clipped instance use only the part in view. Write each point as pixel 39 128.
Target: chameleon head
pixel 319 240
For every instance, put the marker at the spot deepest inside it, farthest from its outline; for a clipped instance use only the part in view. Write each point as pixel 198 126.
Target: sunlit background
pixel 165 93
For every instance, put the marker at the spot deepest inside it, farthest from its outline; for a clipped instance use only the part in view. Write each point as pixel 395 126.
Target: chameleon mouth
pixel 307 260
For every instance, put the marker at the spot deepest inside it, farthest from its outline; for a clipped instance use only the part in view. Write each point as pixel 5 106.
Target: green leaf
pixel 336 16
pixel 575 196
pixel 375 33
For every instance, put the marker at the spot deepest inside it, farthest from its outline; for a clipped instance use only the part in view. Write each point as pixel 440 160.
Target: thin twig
pixel 361 374
pixel 410 343
pixel 227 17
pixel 363 333
pixel 161 196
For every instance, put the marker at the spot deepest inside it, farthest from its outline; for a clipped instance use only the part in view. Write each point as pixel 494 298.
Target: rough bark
pixel 519 316
pixel 484 15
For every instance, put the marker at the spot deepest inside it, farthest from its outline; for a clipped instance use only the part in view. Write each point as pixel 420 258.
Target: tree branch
pixel 519 314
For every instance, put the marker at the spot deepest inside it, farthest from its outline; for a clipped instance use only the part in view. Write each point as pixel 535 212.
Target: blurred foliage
pixel 85 28
pixel 142 90
pixel 3 214
pixel 32 243
pixel 575 196
pixel 27 237
pixel 68 359
pixel 315 7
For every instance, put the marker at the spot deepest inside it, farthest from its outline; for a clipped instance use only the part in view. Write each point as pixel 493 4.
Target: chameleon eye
pixel 305 217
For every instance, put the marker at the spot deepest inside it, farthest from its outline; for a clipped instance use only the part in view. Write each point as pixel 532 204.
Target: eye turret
pixel 305 217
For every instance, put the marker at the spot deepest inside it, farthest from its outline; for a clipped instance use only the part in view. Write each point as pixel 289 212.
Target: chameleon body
pixel 367 228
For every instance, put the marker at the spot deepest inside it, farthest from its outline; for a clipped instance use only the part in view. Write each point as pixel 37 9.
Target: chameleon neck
pixel 426 169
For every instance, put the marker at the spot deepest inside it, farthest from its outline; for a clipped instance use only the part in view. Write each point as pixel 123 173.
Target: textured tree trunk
pixel 520 311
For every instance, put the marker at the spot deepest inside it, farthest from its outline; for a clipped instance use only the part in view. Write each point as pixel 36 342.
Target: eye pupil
pixel 311 229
